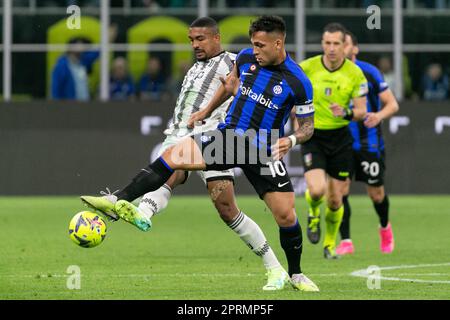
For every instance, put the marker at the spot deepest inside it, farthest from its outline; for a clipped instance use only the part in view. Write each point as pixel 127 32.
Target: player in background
pixel 327 155
pixel 266 84
pixel 368 151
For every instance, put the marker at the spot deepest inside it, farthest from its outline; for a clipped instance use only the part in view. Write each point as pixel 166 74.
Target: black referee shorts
pixel 330 150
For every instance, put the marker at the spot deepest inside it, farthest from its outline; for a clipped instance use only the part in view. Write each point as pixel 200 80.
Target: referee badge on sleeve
pixel 363 89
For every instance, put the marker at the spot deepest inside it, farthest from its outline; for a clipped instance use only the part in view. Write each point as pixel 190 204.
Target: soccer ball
pixel 87 229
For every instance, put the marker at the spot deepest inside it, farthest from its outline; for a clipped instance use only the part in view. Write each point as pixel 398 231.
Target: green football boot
pixel 277 278
pixel 130 213
pixel 329 253
pixel 313 229
pixel 301 282
pixel 103 204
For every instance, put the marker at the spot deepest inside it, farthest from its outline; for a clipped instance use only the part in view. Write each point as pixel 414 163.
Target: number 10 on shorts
pixel 276 168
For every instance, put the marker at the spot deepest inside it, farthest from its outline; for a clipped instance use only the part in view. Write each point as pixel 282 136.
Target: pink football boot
pixel 345 247
pixel 387 239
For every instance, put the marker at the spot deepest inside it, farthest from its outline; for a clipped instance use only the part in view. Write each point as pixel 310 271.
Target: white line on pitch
pixel 364 273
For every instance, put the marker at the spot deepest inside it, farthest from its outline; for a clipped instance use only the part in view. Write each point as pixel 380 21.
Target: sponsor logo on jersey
pixel 247 91
pixel 328 91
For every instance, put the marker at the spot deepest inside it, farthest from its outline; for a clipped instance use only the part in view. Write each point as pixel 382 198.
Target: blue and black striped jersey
pixel 267 95
pixel 369 139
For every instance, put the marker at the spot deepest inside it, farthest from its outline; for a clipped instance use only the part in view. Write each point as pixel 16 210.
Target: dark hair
pixel 353 37
pixel 205 22
pixel 335 27
pixel 268 24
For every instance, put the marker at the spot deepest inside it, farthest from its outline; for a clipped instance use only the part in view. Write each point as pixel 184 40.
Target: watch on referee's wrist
pixel 348 114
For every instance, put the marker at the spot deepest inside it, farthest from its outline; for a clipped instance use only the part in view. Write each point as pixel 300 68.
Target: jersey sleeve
pixel 303 102
pixel 243 57
pixel 380 85
pixel 361 87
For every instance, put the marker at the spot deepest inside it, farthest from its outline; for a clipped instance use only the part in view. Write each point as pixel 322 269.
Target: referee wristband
pixel 348 114
pixel 293 140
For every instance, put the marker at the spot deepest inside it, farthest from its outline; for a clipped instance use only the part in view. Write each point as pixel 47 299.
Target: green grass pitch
pixel 191 254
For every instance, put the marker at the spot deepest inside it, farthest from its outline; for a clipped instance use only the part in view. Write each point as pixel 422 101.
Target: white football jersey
pixel 199 86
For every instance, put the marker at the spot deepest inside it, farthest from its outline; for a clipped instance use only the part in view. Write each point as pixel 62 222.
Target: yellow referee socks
pixel 333 221
pixel 314 205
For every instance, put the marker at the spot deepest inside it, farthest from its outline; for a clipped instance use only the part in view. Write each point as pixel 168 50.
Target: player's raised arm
pixel 228 88
pixel 390 107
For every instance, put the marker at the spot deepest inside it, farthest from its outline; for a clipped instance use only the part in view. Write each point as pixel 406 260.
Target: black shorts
pixel 223 149
pixel 330 150
pixel 369 167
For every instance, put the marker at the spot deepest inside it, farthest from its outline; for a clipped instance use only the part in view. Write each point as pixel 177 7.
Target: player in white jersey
pixel 199 86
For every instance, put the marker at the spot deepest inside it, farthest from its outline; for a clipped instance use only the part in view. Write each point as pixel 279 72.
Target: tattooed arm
pixel 305 130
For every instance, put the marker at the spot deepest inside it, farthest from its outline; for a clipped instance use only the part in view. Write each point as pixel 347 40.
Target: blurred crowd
pixel 70 79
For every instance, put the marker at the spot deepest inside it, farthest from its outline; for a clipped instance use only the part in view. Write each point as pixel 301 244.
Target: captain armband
pixel 304 110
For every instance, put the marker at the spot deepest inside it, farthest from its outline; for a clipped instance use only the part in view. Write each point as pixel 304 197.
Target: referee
pixel 327 156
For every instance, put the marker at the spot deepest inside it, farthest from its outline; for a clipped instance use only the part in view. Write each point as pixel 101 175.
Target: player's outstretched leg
pixel 148 179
